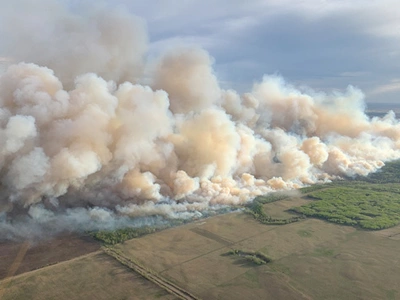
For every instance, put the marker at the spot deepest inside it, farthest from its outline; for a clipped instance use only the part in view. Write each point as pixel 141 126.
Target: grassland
pixel 93 276
pixel 312 259
pixel 43 253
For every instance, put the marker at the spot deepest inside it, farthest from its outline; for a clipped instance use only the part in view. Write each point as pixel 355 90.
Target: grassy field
pixel 311 259
pixel 43 253
pixel 93 276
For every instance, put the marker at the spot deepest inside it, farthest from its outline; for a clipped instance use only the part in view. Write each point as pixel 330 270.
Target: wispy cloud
pixel 392 86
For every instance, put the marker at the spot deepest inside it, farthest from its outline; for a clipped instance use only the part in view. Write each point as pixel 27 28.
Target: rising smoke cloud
pixel 84 145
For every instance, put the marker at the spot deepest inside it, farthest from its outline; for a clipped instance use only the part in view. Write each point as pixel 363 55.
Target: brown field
pixel 312 259
pixel 61 248
pixel 278 209
pixel 392 233
pixel 92 276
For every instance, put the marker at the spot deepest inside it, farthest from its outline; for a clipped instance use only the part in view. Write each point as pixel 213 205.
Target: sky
pixel 323 44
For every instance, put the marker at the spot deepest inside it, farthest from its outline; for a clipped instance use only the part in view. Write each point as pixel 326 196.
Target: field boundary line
pixel 160 281
pixel 53 265
pixel 214 250
pixel 212 236
pixel 6 282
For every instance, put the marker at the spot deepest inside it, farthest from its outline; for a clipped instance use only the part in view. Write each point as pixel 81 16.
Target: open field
pixel 312 259
pixel 148 274
pixel 58 249
pixel 93 276
pixel 279 209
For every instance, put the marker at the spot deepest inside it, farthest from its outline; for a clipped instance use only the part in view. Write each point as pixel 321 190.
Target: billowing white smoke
pixel 108 42
pixel 102 149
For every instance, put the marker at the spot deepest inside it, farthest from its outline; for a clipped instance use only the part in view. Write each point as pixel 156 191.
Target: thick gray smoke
pixel 83 145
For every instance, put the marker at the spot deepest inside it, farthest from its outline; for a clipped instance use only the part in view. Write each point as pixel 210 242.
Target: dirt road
pixel 161 282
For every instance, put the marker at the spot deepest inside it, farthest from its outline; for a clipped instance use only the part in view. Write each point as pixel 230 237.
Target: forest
pixel 371 202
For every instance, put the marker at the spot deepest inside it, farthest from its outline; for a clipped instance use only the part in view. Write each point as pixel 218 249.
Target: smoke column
pixel 84 145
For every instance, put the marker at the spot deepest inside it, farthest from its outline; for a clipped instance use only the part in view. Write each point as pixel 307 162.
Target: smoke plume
pixel 84 145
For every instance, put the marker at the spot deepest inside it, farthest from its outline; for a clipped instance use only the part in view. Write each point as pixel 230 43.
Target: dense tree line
pixel 256 209
pixel 257 257
pixel 112 237
pixel 371 202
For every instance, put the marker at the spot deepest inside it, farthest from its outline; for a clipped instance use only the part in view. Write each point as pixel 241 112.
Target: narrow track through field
pixel 161 282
